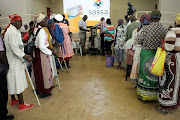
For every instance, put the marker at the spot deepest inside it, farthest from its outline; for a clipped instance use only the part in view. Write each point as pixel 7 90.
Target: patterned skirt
pixel 147 82
pixel 169 83
pixel 42 72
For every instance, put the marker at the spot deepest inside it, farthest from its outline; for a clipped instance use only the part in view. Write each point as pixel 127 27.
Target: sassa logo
pixel 98 3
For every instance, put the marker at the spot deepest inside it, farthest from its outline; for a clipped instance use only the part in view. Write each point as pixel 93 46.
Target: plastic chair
pixel 76 47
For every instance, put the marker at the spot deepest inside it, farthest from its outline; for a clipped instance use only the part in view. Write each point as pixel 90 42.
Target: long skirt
pixel 42 72
pixel 17 82
pixel 135 66
pixel 169 83
pixel 134 71
pixel 119 54
pixel 147 82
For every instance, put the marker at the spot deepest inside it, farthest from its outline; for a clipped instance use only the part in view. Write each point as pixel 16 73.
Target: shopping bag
pixel 109 61
pixel 130 55
pixel 157 67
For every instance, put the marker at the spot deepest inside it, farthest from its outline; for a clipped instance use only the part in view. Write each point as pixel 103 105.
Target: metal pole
pixel 31 83
pixel 62 53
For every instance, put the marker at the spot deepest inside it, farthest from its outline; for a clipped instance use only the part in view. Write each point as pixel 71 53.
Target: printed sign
pixel 94 9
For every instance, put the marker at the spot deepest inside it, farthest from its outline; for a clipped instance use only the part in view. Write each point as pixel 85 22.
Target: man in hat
pixel 16 77
pixel 134 25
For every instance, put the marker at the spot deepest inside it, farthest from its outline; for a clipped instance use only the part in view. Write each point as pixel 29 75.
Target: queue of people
pixel 47 46
pixel 135 45
pixel 142 41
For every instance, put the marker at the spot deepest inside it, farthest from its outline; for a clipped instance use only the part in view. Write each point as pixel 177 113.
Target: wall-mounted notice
pixel 94 9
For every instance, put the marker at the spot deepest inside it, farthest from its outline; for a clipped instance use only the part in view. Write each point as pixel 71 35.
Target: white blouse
pixel 42 41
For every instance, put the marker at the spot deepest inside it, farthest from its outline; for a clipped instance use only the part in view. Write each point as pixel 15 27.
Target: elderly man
pixel 150 40
pixel 102 24
pixel 82 31
pixel 134 24
pixel 16 76
pixel 52 15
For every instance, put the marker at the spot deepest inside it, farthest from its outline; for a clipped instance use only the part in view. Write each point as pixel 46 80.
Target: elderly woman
pixel 120 33
pixel 150 40
pixel 169 83
pixel 41 63
pixel 145 20
pixel 67 45
pixel 109 36
pixel 16 76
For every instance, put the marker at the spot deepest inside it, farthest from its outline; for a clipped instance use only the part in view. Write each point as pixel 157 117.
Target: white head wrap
pixel 59 17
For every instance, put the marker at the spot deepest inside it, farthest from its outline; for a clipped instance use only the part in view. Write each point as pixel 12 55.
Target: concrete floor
pixel 91 91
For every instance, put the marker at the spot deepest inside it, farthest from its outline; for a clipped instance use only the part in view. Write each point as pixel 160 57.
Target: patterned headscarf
pixel 13 18
pixel 145 20
pixel 177 19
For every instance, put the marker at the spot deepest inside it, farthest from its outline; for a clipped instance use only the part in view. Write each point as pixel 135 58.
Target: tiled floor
pixel 91 91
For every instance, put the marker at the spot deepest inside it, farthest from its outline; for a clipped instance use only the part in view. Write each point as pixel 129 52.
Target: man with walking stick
pixel 16 77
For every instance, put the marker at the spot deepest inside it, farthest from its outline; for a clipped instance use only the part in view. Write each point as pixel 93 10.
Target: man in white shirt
pixel 82 31
pixel 16 77
pixel 52 15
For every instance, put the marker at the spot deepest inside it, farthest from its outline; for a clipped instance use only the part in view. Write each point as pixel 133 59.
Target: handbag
pixel 130 55
pixel 157 67
pixel 30 47
pixel 109 61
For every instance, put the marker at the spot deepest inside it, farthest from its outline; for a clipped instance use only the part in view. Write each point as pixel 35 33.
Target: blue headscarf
pixel 50 21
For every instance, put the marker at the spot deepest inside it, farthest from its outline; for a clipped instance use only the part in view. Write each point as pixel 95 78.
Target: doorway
pixel 48 12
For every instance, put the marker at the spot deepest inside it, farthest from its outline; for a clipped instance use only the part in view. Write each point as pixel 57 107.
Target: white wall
pixel 169 6
pixel 37 6
pixel 8 7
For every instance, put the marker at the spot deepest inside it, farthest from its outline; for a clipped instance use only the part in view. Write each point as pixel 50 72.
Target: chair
pixel 76 46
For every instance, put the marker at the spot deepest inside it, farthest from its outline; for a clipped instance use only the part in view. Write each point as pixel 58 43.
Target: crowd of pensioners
pixel 135 43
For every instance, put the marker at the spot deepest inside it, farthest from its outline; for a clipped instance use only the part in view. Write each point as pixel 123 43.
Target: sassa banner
pixel 94 9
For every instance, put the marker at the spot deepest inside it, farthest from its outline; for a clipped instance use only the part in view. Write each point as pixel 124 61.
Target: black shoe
pixel 9 117
pixel 69 67
pixel 45 95
pixel 84 54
